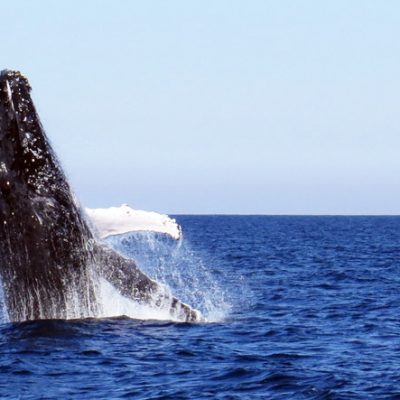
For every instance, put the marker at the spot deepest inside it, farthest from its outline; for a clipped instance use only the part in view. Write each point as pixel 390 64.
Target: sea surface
pixel 297 308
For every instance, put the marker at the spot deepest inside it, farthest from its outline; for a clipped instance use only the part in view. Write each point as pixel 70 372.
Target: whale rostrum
pixel 50 261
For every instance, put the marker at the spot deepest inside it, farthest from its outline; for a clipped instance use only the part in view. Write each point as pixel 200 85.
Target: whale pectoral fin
pixel 125 275
pixel 131 282
pixel 119 220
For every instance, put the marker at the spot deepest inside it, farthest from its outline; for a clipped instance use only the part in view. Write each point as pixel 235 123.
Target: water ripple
pixel 314 315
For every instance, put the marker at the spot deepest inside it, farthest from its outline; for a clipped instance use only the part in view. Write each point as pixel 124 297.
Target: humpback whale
pixel 50 260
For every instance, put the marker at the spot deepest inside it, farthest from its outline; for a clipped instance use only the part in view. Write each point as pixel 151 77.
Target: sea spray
pixel 3 310
pixel 176 265
pixel 173 263
pixel 113 304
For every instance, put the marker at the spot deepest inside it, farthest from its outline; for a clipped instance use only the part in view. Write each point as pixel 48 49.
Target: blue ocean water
pixel 309 309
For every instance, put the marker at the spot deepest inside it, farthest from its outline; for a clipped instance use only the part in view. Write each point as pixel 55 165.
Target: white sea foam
pixel 118 220
pixel 113 304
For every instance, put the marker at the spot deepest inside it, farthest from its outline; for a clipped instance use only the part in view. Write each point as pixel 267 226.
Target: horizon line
pixel 285 215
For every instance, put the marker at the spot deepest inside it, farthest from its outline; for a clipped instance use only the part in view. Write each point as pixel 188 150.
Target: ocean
pixel 296 308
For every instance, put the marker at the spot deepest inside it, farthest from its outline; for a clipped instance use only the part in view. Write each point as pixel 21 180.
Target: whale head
pixel 40 223
pixel 27 162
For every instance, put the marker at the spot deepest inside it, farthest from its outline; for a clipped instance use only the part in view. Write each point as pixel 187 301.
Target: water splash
pixel 176 265
pixel 172 263
pixel 113 304
pixel 3 310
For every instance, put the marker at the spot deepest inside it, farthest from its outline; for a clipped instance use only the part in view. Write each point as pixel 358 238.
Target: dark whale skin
pixel 50 261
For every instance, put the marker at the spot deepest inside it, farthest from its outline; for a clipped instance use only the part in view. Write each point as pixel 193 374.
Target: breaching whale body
pixel 50 261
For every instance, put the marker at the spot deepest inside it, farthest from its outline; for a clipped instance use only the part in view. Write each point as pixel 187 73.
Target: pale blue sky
pixel 268 107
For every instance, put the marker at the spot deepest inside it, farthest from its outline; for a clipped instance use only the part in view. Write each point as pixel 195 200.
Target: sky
pixel 217 107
